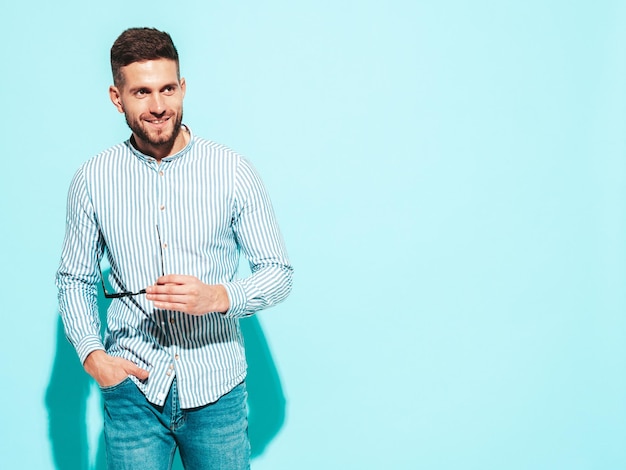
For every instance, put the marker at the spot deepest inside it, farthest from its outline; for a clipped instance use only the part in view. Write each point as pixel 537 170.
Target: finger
pixel 172 279
pixel 166 289
pixel 171 299
pixel 133 369
pixel 141 374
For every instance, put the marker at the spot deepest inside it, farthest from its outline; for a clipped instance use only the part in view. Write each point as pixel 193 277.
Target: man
pixel 173 212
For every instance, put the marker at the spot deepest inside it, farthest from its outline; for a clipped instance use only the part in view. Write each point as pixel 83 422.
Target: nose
pixel 157 104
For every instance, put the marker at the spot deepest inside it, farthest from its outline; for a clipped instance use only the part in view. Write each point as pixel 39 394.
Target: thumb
pixel 133 369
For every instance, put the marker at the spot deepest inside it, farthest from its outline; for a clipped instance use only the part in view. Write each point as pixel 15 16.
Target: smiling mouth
pixel 157 121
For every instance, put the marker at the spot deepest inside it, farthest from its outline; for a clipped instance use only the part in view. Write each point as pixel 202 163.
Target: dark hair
pixel 139 45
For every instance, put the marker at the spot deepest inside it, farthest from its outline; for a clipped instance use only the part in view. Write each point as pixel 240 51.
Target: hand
pixel 188 294
pixel 110 370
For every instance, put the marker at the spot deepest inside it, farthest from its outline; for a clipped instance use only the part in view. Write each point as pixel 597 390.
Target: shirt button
pixel 161 172
pixel 171 366
pixel 162 208
pixel 177 357
pixel 164 245
pixel 172 321
pixel 168 373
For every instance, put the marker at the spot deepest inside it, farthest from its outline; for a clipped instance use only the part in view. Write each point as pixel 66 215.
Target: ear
pixel 116 98
pixel 183 86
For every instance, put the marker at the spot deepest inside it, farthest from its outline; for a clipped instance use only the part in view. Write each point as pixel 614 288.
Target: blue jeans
pixel 141 435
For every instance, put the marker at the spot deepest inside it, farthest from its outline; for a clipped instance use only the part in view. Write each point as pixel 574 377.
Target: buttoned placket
pixel 161 210
pixel 168 324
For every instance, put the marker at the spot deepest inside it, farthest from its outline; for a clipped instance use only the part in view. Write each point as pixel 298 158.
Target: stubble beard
pixel 155 139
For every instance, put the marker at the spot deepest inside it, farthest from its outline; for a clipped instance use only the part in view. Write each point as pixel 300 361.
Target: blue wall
pixel 450 180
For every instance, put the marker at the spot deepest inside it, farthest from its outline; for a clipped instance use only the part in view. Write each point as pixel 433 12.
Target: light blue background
pixel 450 180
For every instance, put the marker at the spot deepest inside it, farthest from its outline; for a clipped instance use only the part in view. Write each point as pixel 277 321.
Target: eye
pixel 142 92
pixel 169 90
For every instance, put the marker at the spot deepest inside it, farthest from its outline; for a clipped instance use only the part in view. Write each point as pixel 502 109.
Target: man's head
pixel 148 90
pixel 140 45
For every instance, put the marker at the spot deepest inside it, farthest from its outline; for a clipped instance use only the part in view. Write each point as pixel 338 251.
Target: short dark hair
pixel 139 45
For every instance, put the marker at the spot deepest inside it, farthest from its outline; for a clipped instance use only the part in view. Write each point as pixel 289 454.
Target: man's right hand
pixel 110 370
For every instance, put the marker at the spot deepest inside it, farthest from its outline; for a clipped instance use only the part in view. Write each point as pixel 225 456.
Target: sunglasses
pixel 117 295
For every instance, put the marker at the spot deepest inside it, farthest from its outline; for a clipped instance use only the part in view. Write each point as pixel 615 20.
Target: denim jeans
pixel 141 435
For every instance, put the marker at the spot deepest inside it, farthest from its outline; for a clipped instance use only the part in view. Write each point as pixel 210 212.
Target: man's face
pixel 151 98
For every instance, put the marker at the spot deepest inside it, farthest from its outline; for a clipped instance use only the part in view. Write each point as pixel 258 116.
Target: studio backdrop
pixel 450 180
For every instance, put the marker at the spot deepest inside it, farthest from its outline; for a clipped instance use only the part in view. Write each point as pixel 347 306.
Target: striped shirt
pixel 206 204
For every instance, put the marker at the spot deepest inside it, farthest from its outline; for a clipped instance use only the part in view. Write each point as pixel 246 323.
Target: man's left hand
pixel 188 294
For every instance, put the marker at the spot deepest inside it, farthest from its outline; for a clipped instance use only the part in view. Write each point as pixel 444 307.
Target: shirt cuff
pixel 87 345
pixel 237 300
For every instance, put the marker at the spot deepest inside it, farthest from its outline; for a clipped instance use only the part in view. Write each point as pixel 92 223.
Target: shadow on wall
pixel 70 386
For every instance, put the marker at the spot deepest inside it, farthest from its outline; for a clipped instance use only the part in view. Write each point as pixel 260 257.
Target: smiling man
pixel 172 212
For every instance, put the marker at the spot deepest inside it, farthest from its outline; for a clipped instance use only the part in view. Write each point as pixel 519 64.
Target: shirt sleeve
pixel 261 243
pixel 78 273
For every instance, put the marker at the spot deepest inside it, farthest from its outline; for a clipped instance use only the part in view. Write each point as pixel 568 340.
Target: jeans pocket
pixel 112 388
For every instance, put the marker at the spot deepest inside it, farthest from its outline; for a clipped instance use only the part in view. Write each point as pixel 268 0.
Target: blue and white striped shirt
pixel 209 205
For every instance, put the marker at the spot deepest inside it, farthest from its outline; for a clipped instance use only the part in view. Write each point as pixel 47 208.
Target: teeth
pixel 157 121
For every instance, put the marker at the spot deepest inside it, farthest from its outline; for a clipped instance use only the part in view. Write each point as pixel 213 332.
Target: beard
pixel 155 139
